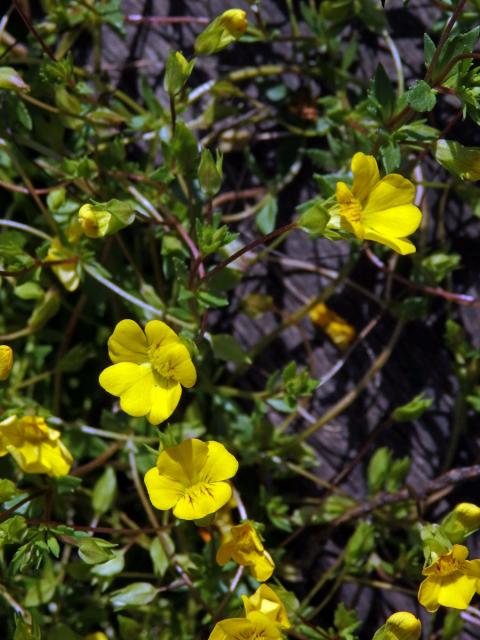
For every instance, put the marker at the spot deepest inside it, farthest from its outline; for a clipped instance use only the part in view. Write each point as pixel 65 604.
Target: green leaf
pixel 384 92
pixel 421 97
pixel 95 550
pixel 104 491
pixel 110 568
pixel 390 156
pixel 267 216
pixel 7 489
pixel 227 348
pixel 378 469
pixel 360 545
pixel 159 558
pixel 428 48
pixel 413 409
pixel 12 530
pixel 463 162
pixel 136 594
pixel 29 291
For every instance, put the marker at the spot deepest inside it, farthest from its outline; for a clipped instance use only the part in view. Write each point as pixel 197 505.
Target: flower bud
pixel 103 218
pixel 11 80
pixel 210 172
pixel 400 626
pixel 461 522
pixel 177 72
pixel 6 361
pixel 224 30
pixel 44 310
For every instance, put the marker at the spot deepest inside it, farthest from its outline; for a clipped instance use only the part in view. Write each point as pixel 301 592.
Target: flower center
pixel 161 362
pixel 195 491
pixel 351 210
pixel 446 565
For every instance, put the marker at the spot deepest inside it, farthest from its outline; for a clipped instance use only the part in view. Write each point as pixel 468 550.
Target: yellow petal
pixel 459 552
pixel 184 461
pixel 164 398
pixel 428 594
pixel 264 628
pixel 471 568
pixel 202 499
pixel 160 334
pixel 262 566
pixel 392 191
pixel 128 343
pixel 163 492
pixel 396 222
pixel 400 245
pixel 183 367
pixel 219 464
pixel 231 629
pixel 225 552
pixel 349 209
pixel 119 377
pixel 402 626
pixel 365 175
pixel 266 601
pixel 456 590
pixel 137 399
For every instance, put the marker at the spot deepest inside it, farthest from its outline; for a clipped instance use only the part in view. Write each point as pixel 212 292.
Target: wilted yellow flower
pixel 400 626
pixel 221 32
pixel 461 521
pixel 191 478
pixel 266 601
pixel 67 271
pixel 451 580
pixel 6 361
pixel 245 547
pixel 337 329
pixel 97 635
pixel 149 369
pixel 35 446
pixel 378 209
pixel 256 626
pixel 102 218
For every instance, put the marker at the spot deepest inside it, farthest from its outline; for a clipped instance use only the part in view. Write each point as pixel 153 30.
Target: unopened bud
pixel 6 361
pixel 224 30
pixel 210 172
pixel 11 80
pixel 46 309
pixel 461 522
pixel 177 72
pixel 400 626
pixel 103 218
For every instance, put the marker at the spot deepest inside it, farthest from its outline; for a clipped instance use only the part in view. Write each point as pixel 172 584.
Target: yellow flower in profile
pixel 67 271
pixel 244 546
pixel 97 635
pixel 191 478
pixel 6 361
pixel 266 601
pixel 451 580
pixel 337 329
pixel 377 209
pixel 256 626
pixel 35 446
pixel 225 29
pixel 149 369
pixel 400 626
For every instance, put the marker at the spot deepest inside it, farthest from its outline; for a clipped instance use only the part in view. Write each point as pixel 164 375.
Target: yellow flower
pixel 266 601
pixel 149 369
pixel 191 479
pixel 400 626
pixel 451 580
pixel 256 626
pixel 6 361
pixel 97 635
pixel 221 32
pixel 378 209
pixel 337 329
pixel 35 446
pixel 245 548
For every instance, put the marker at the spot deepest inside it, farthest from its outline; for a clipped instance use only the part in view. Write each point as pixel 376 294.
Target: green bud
pixel 314 219
pixel 413 409
pixel 45 309
pixel 56 198
pixel 104 218
pixel 224 30
pixel 210 172
pixel 461 522
pixel 11 80
pixel 177 72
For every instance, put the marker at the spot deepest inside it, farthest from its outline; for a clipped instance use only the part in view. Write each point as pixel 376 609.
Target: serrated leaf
pixel 421 97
